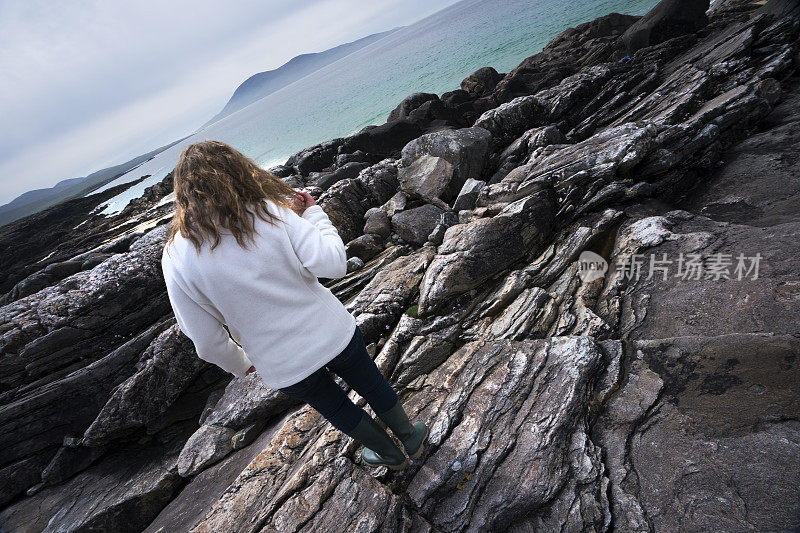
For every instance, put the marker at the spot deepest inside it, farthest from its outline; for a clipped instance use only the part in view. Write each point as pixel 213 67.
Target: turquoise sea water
pixel 433 55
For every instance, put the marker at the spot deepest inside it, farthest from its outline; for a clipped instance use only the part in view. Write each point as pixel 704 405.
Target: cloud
pixel 92 83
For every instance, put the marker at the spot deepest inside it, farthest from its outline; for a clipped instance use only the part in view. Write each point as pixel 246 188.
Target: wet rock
pixel 414 225
pixel 34 249
pixel 51 274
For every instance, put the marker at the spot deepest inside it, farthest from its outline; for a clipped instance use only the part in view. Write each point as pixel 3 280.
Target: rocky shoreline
pixel 628 402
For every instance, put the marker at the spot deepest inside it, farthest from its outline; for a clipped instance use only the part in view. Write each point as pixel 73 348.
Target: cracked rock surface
pixel 662 395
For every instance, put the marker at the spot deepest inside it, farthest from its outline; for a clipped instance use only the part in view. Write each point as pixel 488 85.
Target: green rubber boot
pixel 411 435
pixel 379 448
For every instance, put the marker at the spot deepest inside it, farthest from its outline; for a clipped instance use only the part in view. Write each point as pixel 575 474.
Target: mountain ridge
pixel 252 89
pixel 267 82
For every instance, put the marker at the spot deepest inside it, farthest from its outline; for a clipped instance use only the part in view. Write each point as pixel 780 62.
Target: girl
pixel 241 262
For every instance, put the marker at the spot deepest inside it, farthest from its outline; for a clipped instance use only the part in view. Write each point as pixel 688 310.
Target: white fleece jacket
pixel 287 323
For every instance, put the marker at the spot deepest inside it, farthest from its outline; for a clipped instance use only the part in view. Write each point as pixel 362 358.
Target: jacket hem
pixel 310 370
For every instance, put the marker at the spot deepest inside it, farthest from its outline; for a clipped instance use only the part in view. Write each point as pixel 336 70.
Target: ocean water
pixel 432 55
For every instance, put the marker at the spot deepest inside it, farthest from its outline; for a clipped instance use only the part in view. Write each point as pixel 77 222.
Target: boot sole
pixel 390 467
pixel 421 446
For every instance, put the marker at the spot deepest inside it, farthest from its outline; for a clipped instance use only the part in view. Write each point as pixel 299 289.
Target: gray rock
pixel 469 194
pixel 409 104
pixel 481 82
pixel 346 201
pixel 247 401
pixel 493 338
pixel 123 493
pixel 395 204
pixel 364 247
pixel 473 252
pixel 356 157
pixel 170 365
pixel 378 223
pixel 388 294
pixel 670 18
pixel 347 171
pixel 437 235
pixel 465 149
pixel 370 211
pixel 520 150
pixel 414 225
pixel 354 263
pixel 507 121
pixel 426 178
pixel 208 445
pixel 554 376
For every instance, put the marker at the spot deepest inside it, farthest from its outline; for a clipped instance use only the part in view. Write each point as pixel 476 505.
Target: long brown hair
pixel 216 185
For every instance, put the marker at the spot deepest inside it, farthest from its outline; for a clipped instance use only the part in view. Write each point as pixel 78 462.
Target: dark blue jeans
pixel 355 366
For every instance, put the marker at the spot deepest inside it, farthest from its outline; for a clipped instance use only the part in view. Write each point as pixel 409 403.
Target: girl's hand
pixel 302 201
pixel 298 204
pixel 251 370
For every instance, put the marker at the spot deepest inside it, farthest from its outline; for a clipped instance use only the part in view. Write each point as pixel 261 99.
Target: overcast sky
pixel 89 84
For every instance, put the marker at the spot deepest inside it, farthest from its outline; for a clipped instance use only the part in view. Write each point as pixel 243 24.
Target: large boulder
pixel 482 81
pixel 465 149
pixel 385 140
pixel 348 200
pixel 471 253
pixel 409 104
pixel 670 18
pixel 427 178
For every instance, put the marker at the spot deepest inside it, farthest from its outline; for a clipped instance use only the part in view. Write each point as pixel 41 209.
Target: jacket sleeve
pixel 211 340
pixel 316 242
